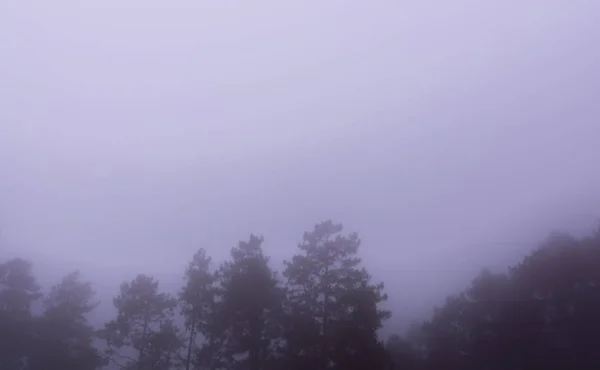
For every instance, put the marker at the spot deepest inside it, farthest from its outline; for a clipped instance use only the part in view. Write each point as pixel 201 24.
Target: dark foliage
pixel 541 314
pixel 323 312
pixel 59 337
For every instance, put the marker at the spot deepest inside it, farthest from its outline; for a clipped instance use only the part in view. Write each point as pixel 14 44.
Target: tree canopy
pixel 322 311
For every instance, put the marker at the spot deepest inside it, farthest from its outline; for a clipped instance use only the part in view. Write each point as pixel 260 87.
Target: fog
pixel 451 137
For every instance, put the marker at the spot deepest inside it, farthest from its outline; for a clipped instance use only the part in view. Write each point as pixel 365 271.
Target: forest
pixel 322 311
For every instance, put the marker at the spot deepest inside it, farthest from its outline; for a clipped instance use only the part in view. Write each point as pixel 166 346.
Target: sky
pixel 451 135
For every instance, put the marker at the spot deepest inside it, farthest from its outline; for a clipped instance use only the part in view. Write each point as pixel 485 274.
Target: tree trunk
pixel 143 344
pixel 191 343
pixel 325 348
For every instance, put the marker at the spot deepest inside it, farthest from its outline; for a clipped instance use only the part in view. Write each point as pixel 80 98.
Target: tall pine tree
pixel 332 308
pixel 197 302
pixel 249 303
pixel 143 336
pixel 18 292
pixel 64 338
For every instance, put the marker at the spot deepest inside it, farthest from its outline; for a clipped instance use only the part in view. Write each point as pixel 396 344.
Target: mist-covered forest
pixel 322 311
pixel 167 170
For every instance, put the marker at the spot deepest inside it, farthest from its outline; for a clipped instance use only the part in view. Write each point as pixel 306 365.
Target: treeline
pixel 543 313
pixel 321 312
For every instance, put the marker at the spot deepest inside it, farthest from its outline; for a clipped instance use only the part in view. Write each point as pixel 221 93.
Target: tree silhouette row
pixel 322 312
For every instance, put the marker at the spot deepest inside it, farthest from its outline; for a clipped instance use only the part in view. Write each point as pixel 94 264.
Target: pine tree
pixel 64 339
pixel 249 302
pixel 143 335
pixel 18 292
pixel 197 302
pixel 332 306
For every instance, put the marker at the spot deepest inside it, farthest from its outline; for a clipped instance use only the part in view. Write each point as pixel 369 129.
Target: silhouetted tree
pixel 18 292
pixel 143 335
pixel 332 307
pixel 246 331
pixel 197 301
pixel 541 314
pixel 63 338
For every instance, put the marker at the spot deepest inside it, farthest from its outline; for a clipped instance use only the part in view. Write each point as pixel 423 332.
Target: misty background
pixel 133 133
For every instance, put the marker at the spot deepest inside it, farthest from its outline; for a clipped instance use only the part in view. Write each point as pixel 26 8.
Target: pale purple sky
pixel 133 132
